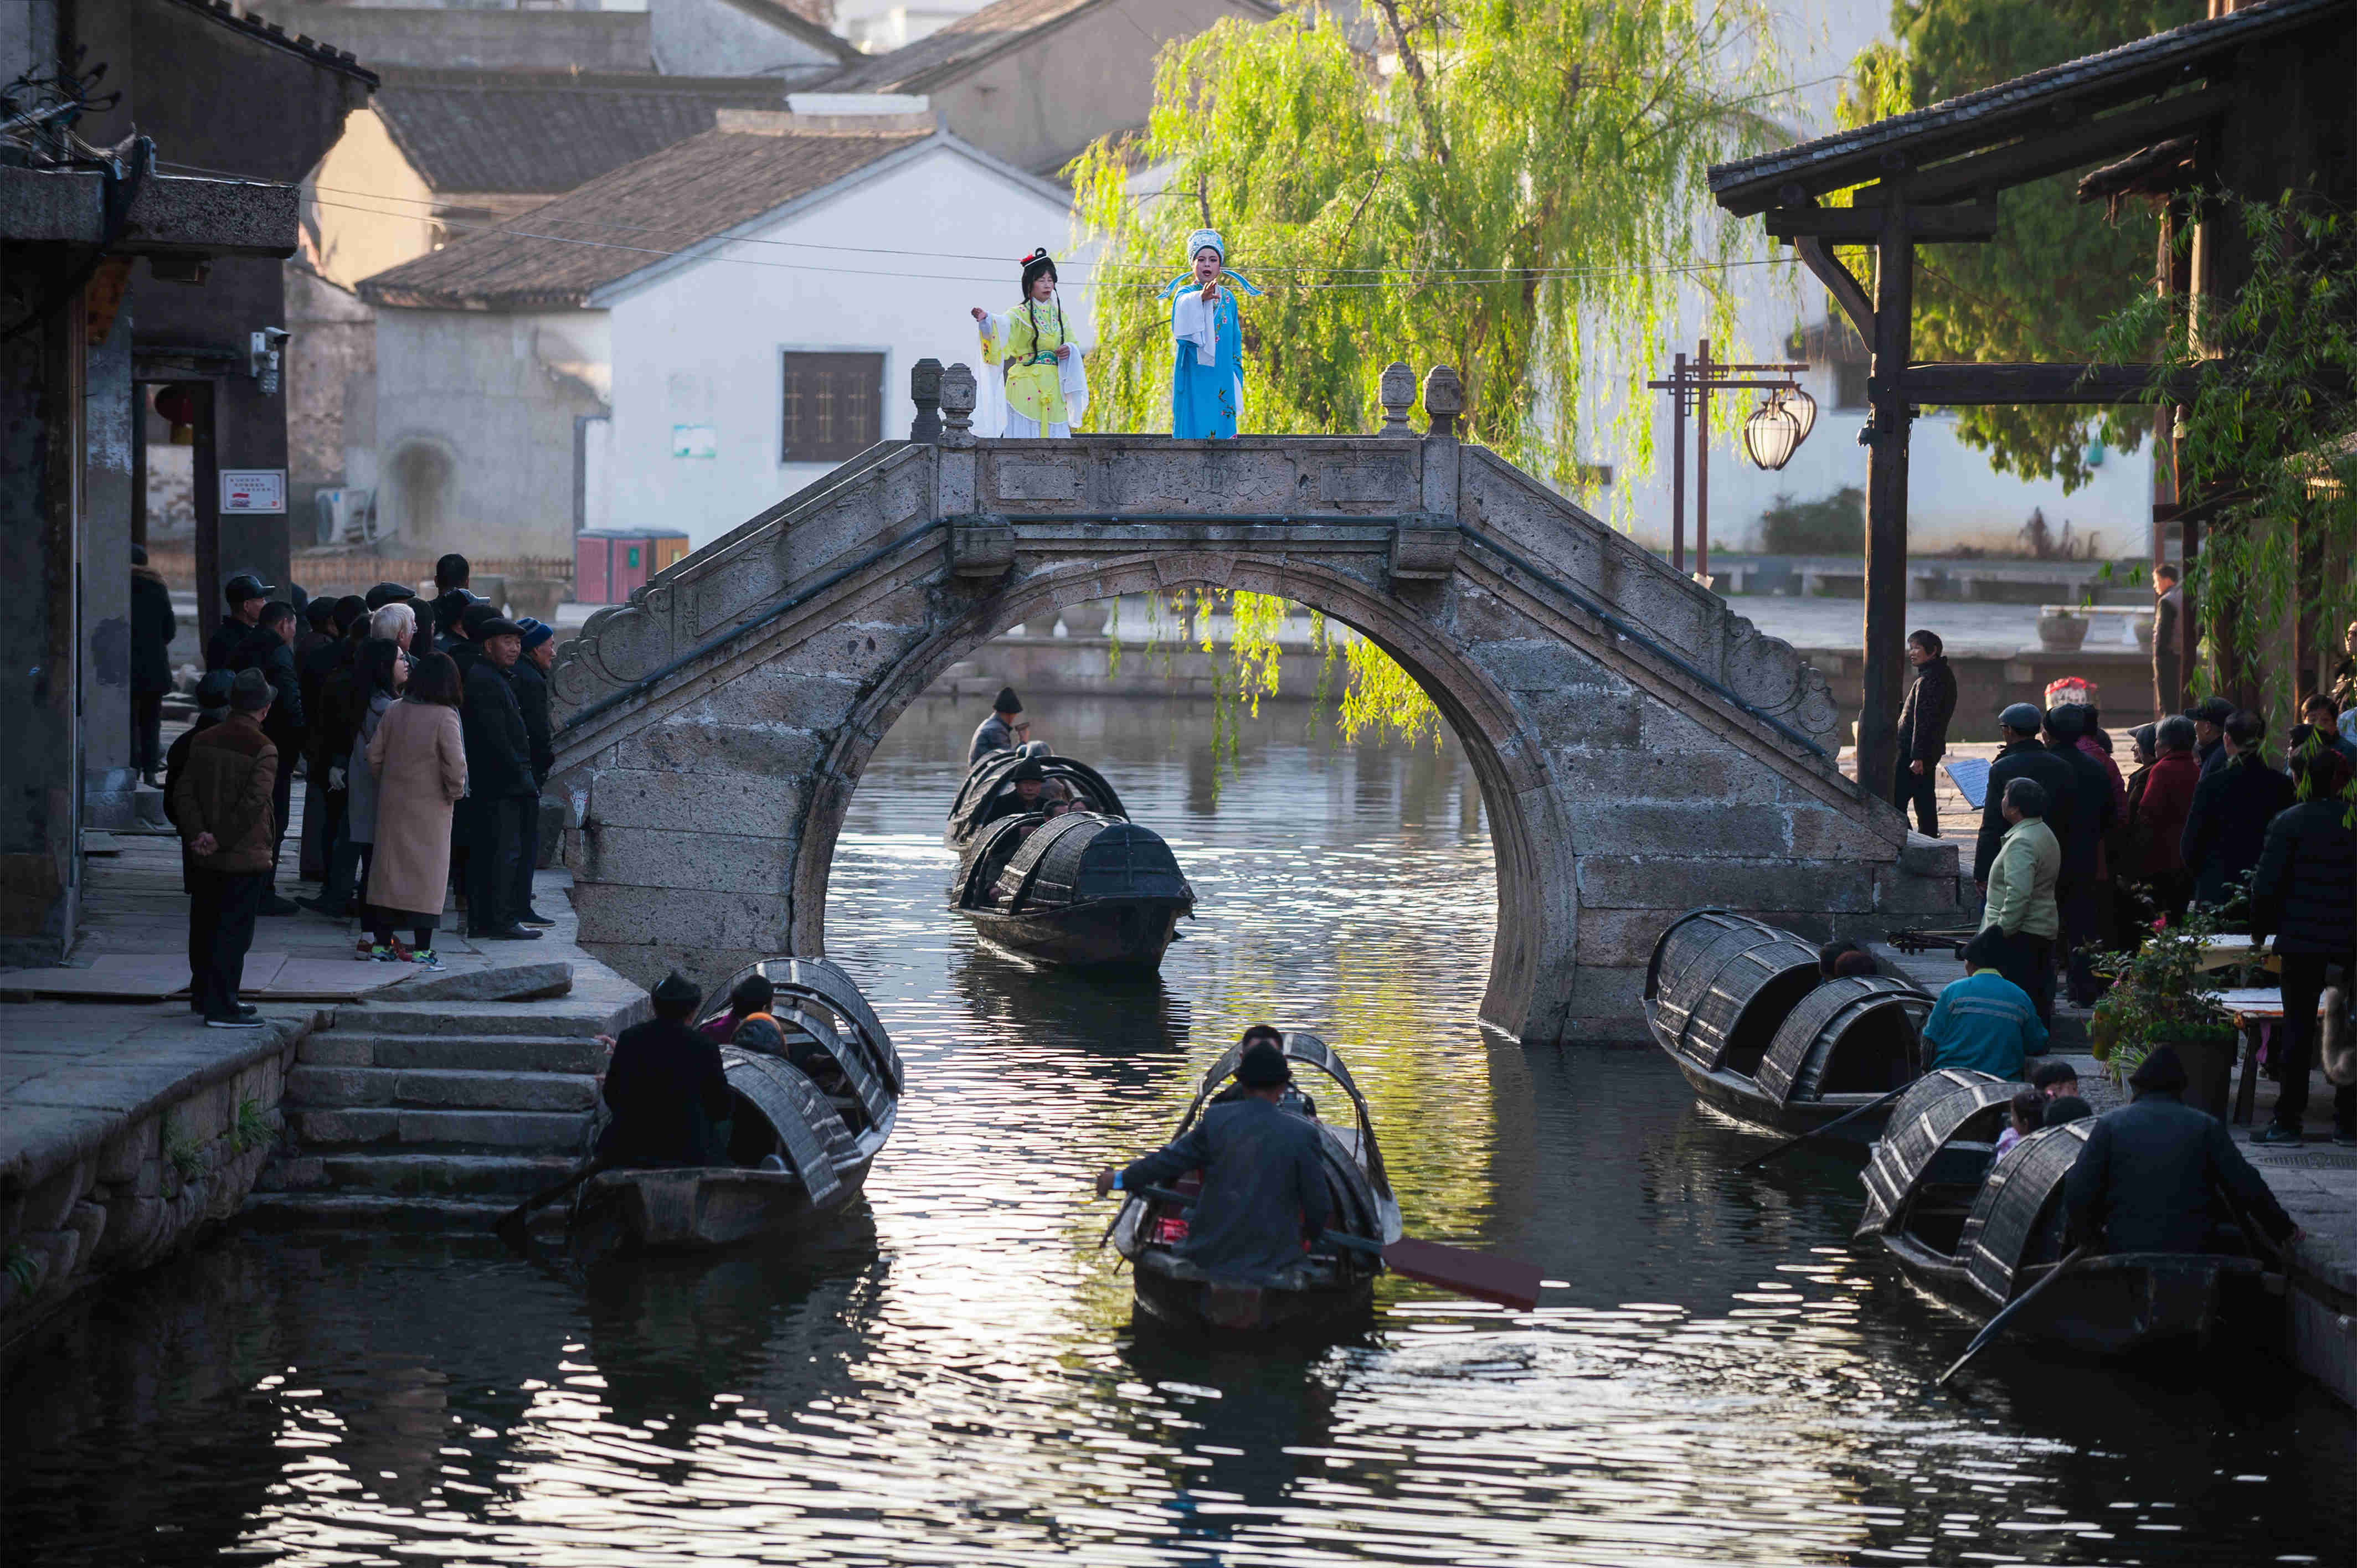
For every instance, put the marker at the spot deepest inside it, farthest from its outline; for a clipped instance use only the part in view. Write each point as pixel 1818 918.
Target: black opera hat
pixel 675 990
pixel 1007 701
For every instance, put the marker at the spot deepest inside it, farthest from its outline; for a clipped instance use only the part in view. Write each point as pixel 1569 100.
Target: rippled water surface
pixel 953 1377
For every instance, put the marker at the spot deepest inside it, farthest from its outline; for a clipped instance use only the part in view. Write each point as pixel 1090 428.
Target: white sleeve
pixel 990 381
pixel 1073 380
pixel 1197 323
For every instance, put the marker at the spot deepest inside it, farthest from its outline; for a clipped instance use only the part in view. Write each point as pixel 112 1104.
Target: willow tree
pixel 1515 187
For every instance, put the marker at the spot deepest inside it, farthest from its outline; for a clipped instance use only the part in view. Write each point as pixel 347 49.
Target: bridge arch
pixel 1536 879
pixel 1639 749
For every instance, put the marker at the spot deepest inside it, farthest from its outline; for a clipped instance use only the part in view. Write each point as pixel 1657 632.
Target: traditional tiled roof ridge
pixel 968 41
pixel 253 23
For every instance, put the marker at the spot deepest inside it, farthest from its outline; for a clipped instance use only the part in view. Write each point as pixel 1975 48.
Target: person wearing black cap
pixel 1264 1186
pixel 2210 716
pixel 153 627
pixel 220 802
pixel 530 677
pixel 665 1088
pixel 2146 1179
pixel 243 597
pixel 2227 828
pixel 1002 731
pixel 2021 756
pixel 500 782
pixel 1923 729
pixel 2081 817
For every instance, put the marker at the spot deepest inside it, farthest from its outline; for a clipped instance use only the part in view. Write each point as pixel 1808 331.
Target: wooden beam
pixel 1954 384
pixel 2036 158
pixel 1841 282
pixel 1864 225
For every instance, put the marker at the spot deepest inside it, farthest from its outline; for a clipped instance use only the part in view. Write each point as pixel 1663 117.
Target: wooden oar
pixel 1996 1326
pixel 1485 1276
pixel 1792 1143
pixel 512 1227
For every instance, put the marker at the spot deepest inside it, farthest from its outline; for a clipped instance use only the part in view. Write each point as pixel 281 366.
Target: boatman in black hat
pixel 1002 731
pixel 2148 1177
pixel 1264 1190
pixel 665 1088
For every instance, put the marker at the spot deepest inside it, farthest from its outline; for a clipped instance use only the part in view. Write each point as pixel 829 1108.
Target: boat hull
pixel 2135 1303
pixel 1172 1292
pixel 701 1208
pixel 1105 933
pixel 1745 1100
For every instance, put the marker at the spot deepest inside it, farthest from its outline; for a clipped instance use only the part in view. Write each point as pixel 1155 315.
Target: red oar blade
pixel 1483 1275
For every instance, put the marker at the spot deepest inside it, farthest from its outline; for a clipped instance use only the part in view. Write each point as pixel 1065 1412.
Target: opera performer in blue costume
pixel 1207 383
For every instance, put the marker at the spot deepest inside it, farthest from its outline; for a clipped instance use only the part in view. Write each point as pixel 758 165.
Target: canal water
pixel 1716 1376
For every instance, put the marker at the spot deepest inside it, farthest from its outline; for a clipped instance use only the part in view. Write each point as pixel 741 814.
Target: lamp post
pixel 1770 436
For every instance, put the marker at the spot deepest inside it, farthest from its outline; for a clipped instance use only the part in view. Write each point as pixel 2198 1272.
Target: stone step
pixel 326 1128
pixel 396 1211
pixel 488 1053
pixel 311 1086
pixel 469 1019
pixel 445 1175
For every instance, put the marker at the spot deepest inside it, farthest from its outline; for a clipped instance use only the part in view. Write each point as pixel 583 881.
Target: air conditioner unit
pixel 347 515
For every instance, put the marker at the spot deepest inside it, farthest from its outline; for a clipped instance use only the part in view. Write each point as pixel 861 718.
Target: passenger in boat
pixel 1264 1186
pixel 754 994
pixel 2145 1181
pixel 666 1088
pixel 1295 1099
pixel 1830 956
pixel 1984 1022
pixel 2055 1080
pixel 2066 1108
pixel 1004 730
pixel 1030 781
pixel 2026 1115
pixel 2020 904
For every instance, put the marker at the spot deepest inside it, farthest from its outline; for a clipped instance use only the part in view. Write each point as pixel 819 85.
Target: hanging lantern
pixel 1803 407
pixel 1770 435
pixel 178 407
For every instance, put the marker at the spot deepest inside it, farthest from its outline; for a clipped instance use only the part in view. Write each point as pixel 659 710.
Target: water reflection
pixel 953 1378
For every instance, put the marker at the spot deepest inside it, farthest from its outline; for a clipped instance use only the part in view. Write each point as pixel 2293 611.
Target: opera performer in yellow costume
pixel 1046 390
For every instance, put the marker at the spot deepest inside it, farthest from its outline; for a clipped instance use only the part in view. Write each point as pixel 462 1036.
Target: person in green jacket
pixel 2022 905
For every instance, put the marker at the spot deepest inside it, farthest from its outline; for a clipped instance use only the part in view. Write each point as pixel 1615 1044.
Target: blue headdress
pixel 1195 242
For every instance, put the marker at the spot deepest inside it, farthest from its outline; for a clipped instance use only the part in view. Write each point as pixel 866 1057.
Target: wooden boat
pixel 1088 888
pixel 804 1130
pixel 1741 1008
pixel 1976 1231
pixel 1331 1288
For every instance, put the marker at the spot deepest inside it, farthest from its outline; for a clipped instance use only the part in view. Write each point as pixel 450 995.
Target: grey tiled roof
pixel 527 134
pixel 942 56
pixel 1993 114
pixel 270 32
pixel 560 253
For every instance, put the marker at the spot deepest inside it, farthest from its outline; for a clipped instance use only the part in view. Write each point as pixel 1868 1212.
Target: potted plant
pixel 2061 629
pixel 2161 995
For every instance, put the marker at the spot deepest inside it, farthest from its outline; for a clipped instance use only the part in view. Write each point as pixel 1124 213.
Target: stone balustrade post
pixel 1443 399
pixel 925 391
pixel 1396 391
pixel 958 487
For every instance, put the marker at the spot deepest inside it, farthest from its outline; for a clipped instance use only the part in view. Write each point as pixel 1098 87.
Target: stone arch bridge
pixel 1639 749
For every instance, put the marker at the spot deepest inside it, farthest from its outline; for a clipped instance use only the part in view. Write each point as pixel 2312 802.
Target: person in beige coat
pixel 419 758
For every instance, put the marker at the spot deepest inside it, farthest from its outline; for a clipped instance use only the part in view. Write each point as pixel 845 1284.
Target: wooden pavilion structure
pixel 2256 100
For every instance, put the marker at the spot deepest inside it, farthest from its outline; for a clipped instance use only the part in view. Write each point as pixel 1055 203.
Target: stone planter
pixel 2142 626
pixel 2059 632
pixel 1086 619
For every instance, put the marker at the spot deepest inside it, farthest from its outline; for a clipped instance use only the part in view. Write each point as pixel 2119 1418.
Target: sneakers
pixel 426 958
pixel 2275 1132
pixel 363 949
pixel 394 953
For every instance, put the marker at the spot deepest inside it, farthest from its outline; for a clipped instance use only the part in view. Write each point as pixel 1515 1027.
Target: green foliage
pixel 2057 269
pixel 182 1151
pixel 2159 993
pixel 1513 188
pixel 252 1130
pixel 2270 433
pixel 1831 525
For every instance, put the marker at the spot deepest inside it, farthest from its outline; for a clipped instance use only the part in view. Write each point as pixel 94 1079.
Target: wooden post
pixel 1678 468
pixel 1702 463
pixel 2188 618
pixel 1886 501
pixel 2308 595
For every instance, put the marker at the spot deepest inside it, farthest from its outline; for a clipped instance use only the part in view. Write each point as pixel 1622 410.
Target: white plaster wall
pixel 365 208
pixel 701 345
pixel 479 389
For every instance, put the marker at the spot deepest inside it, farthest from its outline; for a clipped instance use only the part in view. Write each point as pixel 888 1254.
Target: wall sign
pixel 253 489
pixel 695 441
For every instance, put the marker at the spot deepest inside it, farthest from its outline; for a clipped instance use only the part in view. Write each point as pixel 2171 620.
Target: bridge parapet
pixel 1641 749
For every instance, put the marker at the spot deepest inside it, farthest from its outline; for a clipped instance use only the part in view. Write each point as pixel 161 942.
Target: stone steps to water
pixel 447 1175
pixel 319 1129
pixel 504 1053
pixel 441 1089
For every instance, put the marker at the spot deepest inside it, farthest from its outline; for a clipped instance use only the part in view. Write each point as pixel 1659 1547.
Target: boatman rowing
pixel 1003 730
pixel 666 1088
pixel 1264 1188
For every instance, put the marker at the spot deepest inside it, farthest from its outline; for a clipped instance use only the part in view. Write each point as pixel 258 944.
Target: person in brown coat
pixel 419 757
pixel 222 804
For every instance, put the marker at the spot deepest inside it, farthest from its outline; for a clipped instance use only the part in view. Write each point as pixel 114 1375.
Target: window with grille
pixel 834 406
